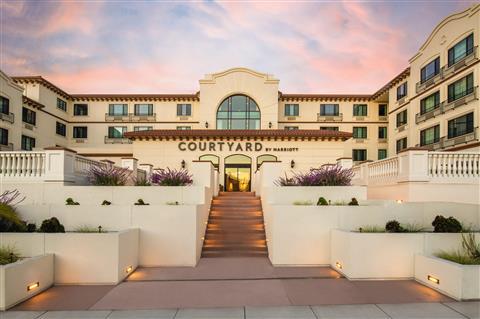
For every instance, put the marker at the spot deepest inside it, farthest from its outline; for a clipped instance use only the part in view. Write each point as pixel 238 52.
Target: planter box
pixel 286 195
pixel 83 258
pixel 16 277
pixel 461 282
pixel 375 255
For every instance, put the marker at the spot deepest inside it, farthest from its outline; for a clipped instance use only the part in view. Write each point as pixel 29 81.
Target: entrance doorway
pixel 238 171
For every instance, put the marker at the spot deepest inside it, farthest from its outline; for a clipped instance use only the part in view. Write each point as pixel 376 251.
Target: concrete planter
pixel 461 282
pixel 286 195
pixel 15 278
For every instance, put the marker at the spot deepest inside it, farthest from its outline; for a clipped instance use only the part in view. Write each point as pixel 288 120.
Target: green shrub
pixel 353 202
pixel 8 255
pixel 322 202
pixel 70 201
pixel 31 228
pixel 140 202
pixel 413 228
pixel 371 229
pixel 446 225
pixel 303 203
pixel 106 203
pixel 469 254
pixel 394 226
pixel 9 220
pixel 51 225
pixel 471 247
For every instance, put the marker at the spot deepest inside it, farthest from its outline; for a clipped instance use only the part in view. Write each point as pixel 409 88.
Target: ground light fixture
pixel 292 164
pixel 433 279
pixel 129 269
pixel 33 286
pixel 399 201
pixel 206 124
pixel 269 124
pixel 338 265
pixel 183 163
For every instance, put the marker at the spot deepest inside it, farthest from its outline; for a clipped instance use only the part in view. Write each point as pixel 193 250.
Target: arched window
pixel 265 158
pixel 238 112
pixel 210 158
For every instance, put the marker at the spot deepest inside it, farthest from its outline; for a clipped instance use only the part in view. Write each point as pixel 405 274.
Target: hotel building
pixel 239 118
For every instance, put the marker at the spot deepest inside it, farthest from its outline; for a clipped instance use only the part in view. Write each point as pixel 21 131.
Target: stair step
pixel 234 253
pixel 236 194
pixel 236 247
pixel 235 236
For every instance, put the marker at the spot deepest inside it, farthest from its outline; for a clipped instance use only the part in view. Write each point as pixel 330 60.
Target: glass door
pixel 237 178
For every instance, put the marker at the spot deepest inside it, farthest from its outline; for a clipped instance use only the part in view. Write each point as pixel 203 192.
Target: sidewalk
pixel 450 310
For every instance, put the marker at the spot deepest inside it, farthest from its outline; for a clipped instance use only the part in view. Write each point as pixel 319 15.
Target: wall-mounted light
pixel 433 279
pixel 338 265
pixel 33 286
pixel 206 124
pixel 183 163
pixel 292 164
pixel 203 238
pixel 269 124
pixel 129 269
pixel 399 201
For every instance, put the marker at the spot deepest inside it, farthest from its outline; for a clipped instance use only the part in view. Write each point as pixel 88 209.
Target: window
pixel 359 155
pixel 28 143
pixel 238 112
pixel 402 118
pixel 215 160
pixel 80 132
pixel 401 144
pixel 329 109
pixel 382 132
pixel 359 109
pixel 142 128
pixel 291 110
pixel 329 128
pixel 116 131
pixel 3 136
pixel 430 103
pixel 61 129
pixel 430 70
pixel 461 125
pixel 184 127
pixel 359 132
pixel 143 109
pixel 402 90
pixel 4 105
pixel 430 135
pixel 80 109
pixel 29 116
pixel 61 104
pixel 382 153
pixel 291 128
pixel 460 88
pixel 382 110
pixel 265 158
pixel 184 110
pixel 460 50
pixel 118 109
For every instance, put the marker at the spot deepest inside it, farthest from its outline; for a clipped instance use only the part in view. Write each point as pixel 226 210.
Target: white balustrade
pixel 22 164
pixel 83 164
pixel 385 170
pixel 452 165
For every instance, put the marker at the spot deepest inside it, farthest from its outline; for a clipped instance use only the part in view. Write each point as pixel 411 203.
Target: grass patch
pixel 8 255
pixel 458 257
pixel 413 228
pixel 303 203
pixel 89 229
pixel 371 229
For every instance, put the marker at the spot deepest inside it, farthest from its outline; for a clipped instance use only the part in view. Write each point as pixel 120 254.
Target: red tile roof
pixel 302 134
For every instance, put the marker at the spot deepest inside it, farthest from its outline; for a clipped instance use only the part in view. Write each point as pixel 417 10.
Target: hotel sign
pixel 219 146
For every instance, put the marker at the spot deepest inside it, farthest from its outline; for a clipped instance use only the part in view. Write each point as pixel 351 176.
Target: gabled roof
pixel 399 78
pixel 39 79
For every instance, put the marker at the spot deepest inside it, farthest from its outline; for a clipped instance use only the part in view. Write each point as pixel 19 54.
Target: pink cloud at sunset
pixel 166 47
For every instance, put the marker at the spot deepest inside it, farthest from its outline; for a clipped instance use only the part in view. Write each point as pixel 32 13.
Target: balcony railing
pixel 447 106
pixel 468 59
pixel 324 118
pixel 422 86
pixel 7 147
pixel 10 117
pixel 383 118
pixel 454 141
pixel 130 117
pixel 117 140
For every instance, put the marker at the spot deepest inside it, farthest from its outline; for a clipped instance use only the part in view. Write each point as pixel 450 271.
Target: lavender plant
pixel 108 175
pixel 328 175
pixel 11 198
pixel 171 177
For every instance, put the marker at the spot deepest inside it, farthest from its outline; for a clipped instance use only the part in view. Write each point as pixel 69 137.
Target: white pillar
pixel 131 163
pixel 345 162
pixel 203 174
pixel 148 168
pixel 59 165
pixel 413 165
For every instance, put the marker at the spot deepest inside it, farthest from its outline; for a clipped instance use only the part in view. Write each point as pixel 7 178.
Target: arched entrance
pixel 238 169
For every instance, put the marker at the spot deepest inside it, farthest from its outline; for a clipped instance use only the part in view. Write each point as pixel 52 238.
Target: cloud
pixel 161 47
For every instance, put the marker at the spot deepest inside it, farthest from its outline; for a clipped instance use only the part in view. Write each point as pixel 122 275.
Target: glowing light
pixel 33 286
pixel 339 265
pixel 433 279
pixel 203 238
pixel 129 269
pixel 399 201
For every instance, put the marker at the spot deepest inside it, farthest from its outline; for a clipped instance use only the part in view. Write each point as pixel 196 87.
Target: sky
pixel 322 47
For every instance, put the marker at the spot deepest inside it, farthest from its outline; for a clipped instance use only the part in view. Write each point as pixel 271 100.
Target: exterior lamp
pixel 206 124
pixel 183 163
pixel 433 279
pixel 129 269
pixel 399 201
pixel 33 286
pixel 269 124
pixel 292 164
pixel 338 265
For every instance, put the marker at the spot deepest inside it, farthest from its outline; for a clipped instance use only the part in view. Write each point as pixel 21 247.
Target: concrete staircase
pixel 235 226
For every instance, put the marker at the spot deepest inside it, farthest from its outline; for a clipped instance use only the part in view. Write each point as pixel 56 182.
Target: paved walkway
pixel 451 310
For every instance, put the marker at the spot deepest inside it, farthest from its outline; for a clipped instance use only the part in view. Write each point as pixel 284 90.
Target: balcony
pixel 130 117
pixel 461 64
pixel 7 117
pixel 383 118
pixel 454 141
pixel 117 140
pixel 329 118
pixel 446 106
pixel 8 147
pixel 422 86
pixel 382 140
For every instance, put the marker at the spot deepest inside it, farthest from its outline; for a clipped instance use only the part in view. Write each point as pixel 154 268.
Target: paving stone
pixel 84 314
pixel 348 311
pixel 471 309
pixel 210 313
pixel 143 314
pixel 283 312
pixel 21 314
pixel 420 310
